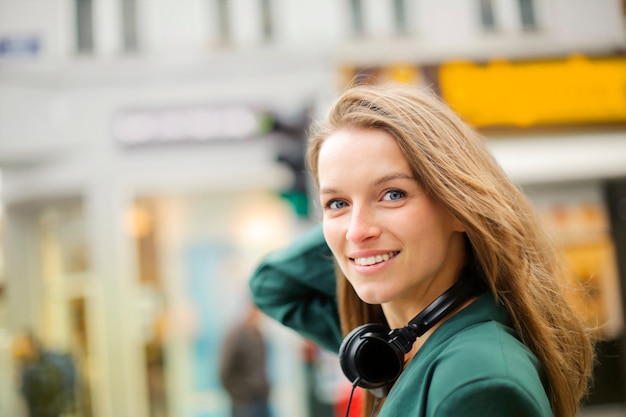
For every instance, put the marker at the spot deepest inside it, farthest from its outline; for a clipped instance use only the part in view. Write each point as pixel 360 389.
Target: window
pixel 223 21
pixel 399 14
pixel 266 20
pixel 487 18
pixel 527 15
pixel 84 26
pixel 129 25
pixel 356 8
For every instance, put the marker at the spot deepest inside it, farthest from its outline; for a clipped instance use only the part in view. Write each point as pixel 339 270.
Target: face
pixel 396 245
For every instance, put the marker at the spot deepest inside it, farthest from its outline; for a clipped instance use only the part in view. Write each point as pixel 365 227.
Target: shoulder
pixel 487 343
pixel 494 396
pixel 486 367
pixel 473 365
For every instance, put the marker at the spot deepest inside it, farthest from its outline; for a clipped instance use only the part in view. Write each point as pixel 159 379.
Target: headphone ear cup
pixel 367 355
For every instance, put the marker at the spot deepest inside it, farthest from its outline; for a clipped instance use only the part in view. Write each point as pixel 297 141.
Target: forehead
pixel 360 152
pixel 359 140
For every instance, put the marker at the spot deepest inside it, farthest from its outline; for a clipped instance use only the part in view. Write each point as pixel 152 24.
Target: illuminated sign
pixel 192 124
pixel 522 93
pixel 567 91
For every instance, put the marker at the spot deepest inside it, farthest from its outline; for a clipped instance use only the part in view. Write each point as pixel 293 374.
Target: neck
pixel 419 342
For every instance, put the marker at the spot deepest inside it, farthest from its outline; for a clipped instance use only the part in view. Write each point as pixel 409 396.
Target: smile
pixel 373 260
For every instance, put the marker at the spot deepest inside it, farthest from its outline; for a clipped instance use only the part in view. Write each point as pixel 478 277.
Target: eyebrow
pixel 379 181
pixel 392 177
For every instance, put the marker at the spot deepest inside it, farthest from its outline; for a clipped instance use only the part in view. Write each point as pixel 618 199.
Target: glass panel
pixel 223 20
pixel 578 217
pixel 144 226
pixel 63 326
pixel 129 25
pixel 400 20
pixel 196 253
pixel 267 22
pixel 3 278
pixel 84 26
pixel 358 28
pixel 527 14
pixel 487 18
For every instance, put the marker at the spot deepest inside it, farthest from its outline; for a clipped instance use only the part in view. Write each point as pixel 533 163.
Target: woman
pixel 413 203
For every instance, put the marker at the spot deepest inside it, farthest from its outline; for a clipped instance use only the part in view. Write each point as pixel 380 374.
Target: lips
pixel 374 259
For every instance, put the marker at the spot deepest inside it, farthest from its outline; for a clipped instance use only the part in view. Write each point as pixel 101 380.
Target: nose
pixel 363 225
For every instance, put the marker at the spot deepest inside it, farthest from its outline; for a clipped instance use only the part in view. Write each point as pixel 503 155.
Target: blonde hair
pixel 521 266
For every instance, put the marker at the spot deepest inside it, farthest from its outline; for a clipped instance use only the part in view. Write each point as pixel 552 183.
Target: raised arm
pixel 296 286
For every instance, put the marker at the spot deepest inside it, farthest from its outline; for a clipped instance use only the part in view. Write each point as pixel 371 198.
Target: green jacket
pixel 472 365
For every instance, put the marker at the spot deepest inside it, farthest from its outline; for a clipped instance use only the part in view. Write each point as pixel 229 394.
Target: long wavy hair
pixel 522 267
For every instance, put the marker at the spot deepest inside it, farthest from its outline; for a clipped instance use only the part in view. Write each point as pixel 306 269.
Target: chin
pixel 370 296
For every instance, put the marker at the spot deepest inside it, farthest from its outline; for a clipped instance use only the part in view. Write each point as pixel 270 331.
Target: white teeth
pixel 371 260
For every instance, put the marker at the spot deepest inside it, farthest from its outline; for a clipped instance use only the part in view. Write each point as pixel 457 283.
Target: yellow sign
pixel 397 73
pixel 573 90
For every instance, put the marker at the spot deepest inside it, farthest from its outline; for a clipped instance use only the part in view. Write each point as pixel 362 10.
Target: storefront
pixel 129 241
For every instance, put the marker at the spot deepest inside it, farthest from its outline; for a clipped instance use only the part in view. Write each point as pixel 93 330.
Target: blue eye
pixel 336 204
pixel 394 195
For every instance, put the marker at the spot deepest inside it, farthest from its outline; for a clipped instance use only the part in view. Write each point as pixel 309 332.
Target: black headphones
pixel 372 355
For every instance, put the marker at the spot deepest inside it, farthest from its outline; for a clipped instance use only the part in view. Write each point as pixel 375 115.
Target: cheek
pixel 330 234
pixel 427 233
pixel 457 225
pixel 335 241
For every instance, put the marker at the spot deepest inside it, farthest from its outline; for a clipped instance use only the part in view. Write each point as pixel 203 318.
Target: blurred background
pixel 151 155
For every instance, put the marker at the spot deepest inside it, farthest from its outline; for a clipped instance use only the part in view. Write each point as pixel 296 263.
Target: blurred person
pixel 243 367
pixel 47 379
pixel 155 368
pixel 431 274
